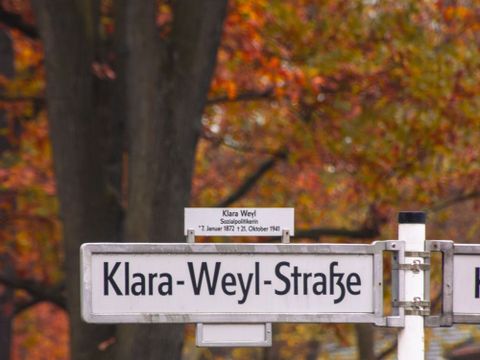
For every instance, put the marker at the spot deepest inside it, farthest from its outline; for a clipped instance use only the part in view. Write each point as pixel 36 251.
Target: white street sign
pixel 466 284
pixel 230 283
pixel 239 221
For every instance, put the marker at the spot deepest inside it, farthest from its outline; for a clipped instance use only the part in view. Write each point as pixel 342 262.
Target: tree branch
pixel 387 351
pixel 247 96
pixel 15 21
pixel 23 305
pixel 233 144
pixel 315 233
pixel 251 180
pixel 312 233
pixel 455 200
pixel 38 291
pixel 35 99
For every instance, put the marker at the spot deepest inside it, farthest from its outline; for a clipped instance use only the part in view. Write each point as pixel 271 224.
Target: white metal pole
pixel 411 339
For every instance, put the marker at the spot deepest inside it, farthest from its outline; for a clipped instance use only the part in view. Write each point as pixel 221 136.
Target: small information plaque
pixel 239 221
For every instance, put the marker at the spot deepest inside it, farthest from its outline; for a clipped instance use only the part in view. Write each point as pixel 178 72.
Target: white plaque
pixel 220 282
pixel 239 221
pixel 234 335
pixel 466 284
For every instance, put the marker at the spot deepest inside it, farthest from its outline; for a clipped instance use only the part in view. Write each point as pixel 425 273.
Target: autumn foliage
pixel 348 111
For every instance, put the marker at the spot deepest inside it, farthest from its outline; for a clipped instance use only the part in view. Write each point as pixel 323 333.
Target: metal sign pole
pixel 411 339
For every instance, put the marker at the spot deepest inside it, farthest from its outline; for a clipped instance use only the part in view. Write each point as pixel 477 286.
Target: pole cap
pixel 412 217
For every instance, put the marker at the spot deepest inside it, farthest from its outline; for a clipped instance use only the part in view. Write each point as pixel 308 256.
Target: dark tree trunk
pixel 159 96
pixel 88 208
pixel 365 341
pixel 7 306
pixel 313 349
pixel 166 88
pixel 7 300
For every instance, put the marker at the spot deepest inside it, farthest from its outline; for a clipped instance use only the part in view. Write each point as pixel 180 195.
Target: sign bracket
pixel 397 319
pixel 415 307
pixel 422 307
pixel 414 267
pixel 190 236
pixel 445 318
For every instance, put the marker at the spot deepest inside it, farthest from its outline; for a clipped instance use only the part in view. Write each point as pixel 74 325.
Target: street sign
pixel 232 283
pixel 239 221
pixel 461 283
pixel 466 283
pixel 466 291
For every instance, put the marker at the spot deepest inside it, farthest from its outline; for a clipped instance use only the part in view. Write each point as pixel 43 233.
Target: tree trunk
pixel 166 88
pixel 87 208
pixel 160 92
pixel 313 349
pixel 7 299
pixel 7 306
pixel 365 341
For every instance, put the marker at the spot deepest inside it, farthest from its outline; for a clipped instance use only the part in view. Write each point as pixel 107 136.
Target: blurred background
pixel 114 116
